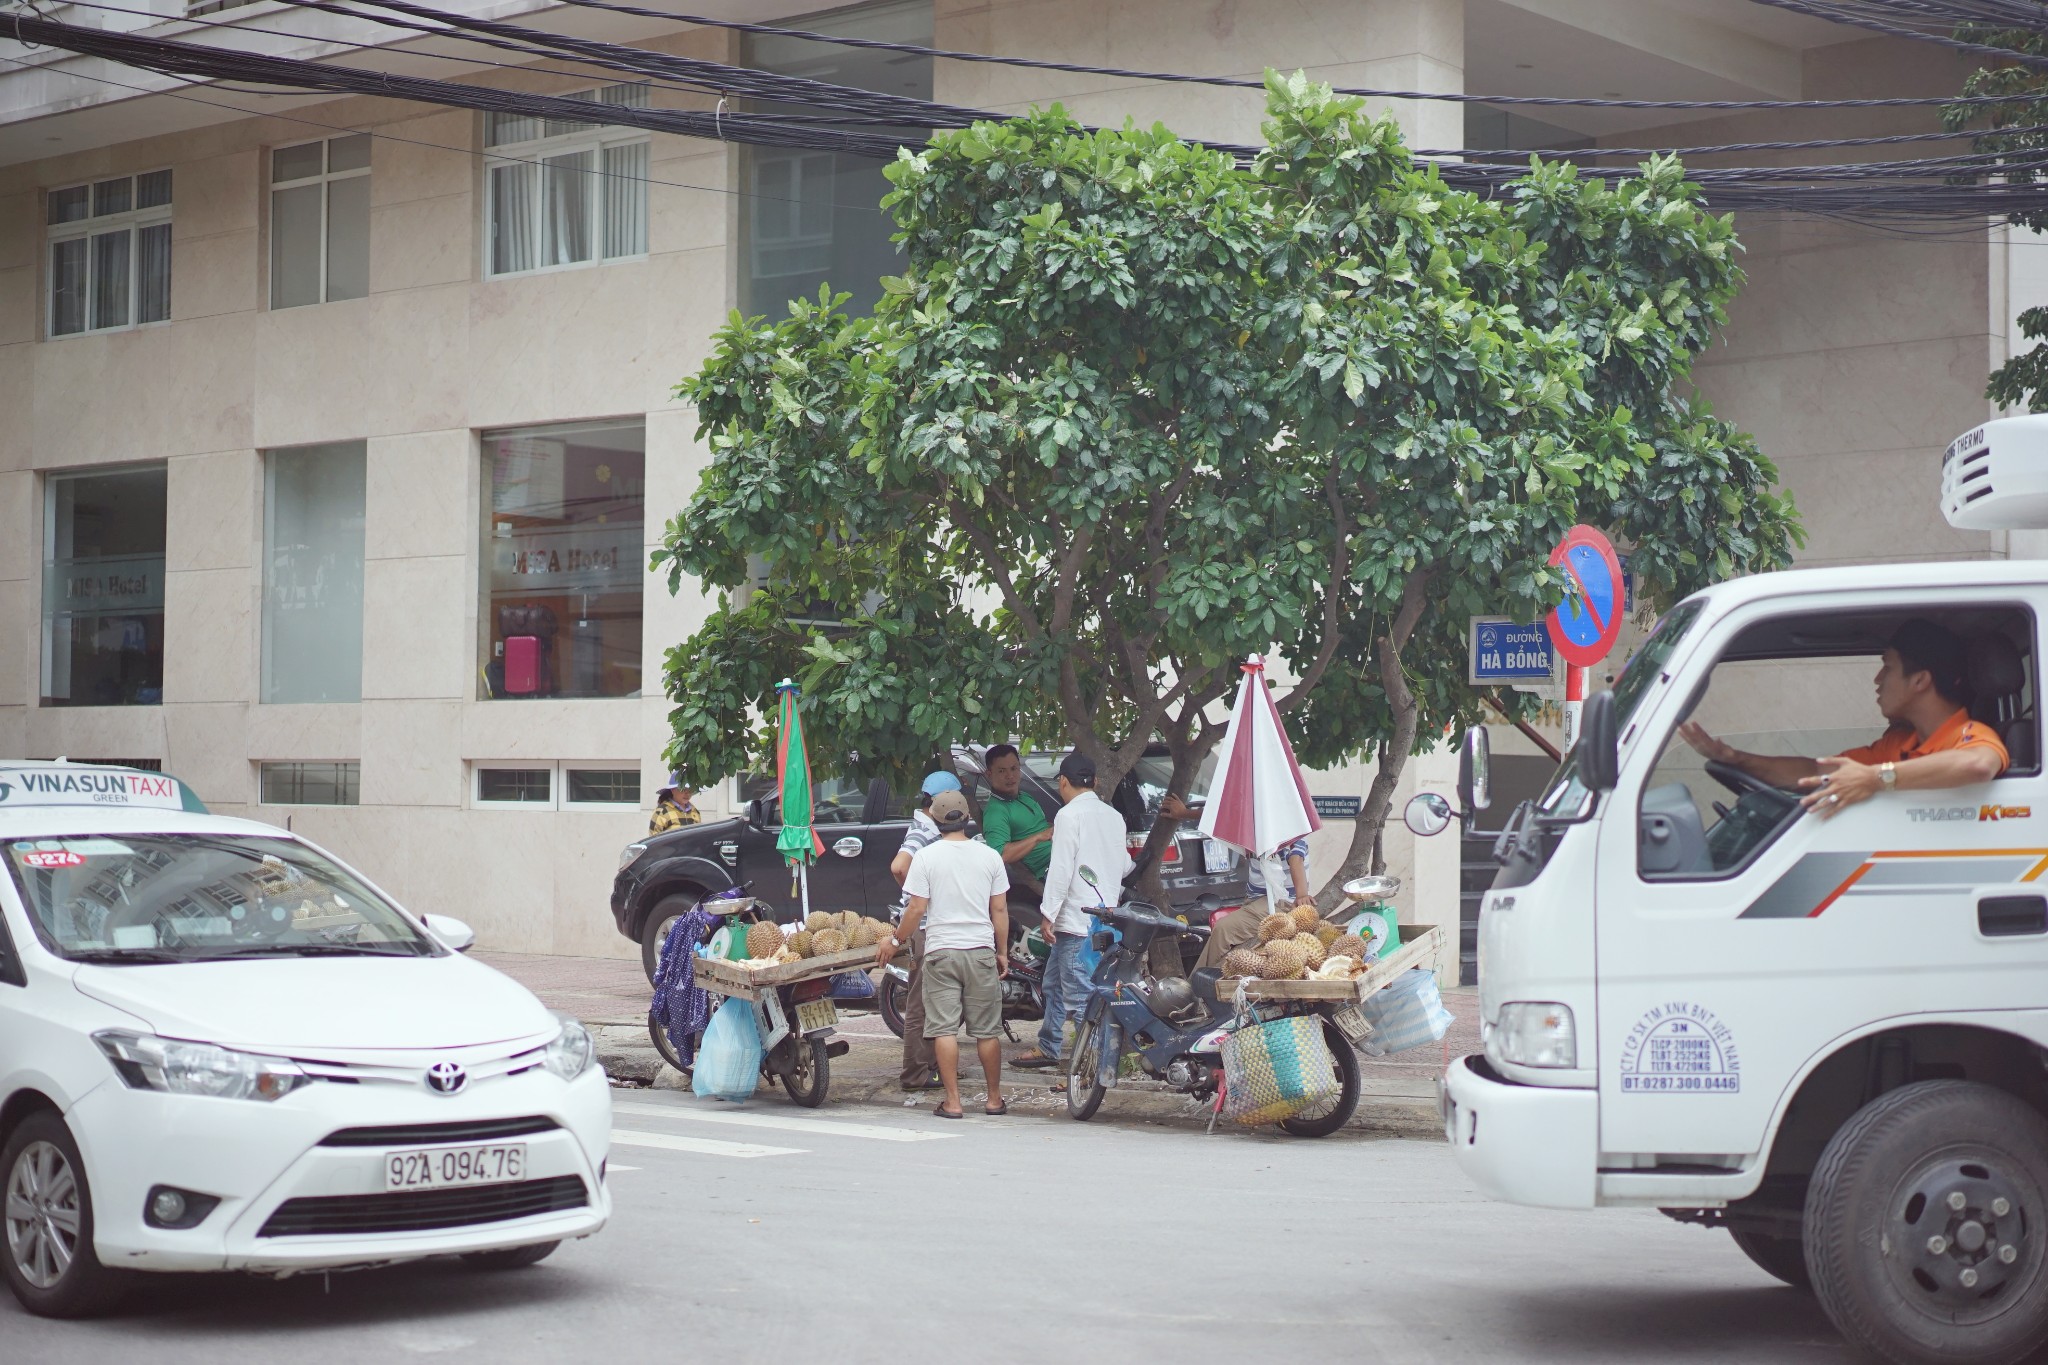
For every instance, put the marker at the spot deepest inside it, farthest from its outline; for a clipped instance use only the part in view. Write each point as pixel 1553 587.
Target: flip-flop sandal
pixel 998 1110
pixel 940 1110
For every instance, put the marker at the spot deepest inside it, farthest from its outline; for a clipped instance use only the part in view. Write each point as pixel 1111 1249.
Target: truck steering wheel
pixel 1742 783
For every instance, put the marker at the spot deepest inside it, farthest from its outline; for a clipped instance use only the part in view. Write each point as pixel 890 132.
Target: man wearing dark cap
pixel 1087 833
pixel 1932 742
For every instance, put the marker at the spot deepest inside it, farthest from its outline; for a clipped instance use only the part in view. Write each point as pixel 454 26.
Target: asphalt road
pixel 855 1234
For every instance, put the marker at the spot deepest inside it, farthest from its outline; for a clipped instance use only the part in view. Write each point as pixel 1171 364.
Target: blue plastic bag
pixel 1406 1012
pixel 729 1059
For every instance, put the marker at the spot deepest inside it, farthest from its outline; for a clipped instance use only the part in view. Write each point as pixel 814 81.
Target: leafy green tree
pixel 1134 412
pixel 2011 133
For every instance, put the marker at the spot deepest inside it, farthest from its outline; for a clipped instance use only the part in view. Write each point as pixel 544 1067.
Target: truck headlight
pixel 572 1051
pixel 1534 1034
pixel 630 854
pixel 147 1062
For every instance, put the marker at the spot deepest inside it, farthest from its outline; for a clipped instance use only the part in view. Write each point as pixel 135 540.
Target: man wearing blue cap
pixel 672 808
pixel 920 1064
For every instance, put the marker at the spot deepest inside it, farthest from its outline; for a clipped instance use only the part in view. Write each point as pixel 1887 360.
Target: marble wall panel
pixel 388 364
pixel 95 732
pixel 601 730
pixel 214 512
pixel 218 273
pixel 309 732
pixel 21 309
pixel 181 389
pixel 21 528
pixel 19 657
pixel 216 194
pixel 687 206
pixel 569 344
pixel 1853 291
pixel 421 495
pixel 17 401
pixel 204 749
pixel 418 637
pixel 411 753
pixel 417 243
pixel 210 635
pixel 21 227
pixel 425 158
pixel 1877 507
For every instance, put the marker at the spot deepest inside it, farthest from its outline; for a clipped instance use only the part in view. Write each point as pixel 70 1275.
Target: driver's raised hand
pixel 1695 734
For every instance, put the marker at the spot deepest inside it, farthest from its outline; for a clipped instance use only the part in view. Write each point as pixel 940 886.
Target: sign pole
pixel 1575 680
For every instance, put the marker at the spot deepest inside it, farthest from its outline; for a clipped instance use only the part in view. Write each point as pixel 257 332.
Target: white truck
pixel 1828 1036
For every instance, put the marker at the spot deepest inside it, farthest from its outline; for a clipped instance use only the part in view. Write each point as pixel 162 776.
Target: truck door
pixel 837 881
pixel 1738 937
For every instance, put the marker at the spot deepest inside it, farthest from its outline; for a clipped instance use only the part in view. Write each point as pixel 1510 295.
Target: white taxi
pixel 223 1049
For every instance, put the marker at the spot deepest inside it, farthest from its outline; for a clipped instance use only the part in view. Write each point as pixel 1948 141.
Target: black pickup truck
pixel 862 827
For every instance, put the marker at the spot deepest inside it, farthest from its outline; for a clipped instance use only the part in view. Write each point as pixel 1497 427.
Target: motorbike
pixel 1174 1026
pixel 1023 993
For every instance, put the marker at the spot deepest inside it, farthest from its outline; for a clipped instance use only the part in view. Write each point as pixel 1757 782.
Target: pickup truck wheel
pixel 654 929
pixel 1783 1258
pixel 1927 1226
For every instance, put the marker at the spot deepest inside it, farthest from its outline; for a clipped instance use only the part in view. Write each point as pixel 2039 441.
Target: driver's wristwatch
pixel 1888 774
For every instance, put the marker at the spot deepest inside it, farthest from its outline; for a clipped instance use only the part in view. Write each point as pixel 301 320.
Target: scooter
pixel 1023 993
pixel 1175 1026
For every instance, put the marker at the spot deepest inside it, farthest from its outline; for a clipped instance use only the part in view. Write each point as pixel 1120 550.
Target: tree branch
pixel 1340 573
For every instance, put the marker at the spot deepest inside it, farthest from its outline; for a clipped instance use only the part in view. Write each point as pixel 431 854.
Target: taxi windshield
pixel 141 898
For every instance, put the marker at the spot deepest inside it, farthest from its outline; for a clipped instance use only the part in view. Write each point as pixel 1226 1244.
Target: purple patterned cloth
pixel 681 1008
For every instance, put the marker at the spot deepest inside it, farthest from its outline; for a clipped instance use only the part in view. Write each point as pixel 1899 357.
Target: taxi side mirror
pixel 453 934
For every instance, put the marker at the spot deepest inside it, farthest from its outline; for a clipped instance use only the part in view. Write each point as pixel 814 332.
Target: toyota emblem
pixel 446 1078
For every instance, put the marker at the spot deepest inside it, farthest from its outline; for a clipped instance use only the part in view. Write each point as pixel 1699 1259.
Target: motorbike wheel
pixel 1326 1118
pixel 1084 1071
pixel 806 1071
pixel 664 1046
pixel 891 998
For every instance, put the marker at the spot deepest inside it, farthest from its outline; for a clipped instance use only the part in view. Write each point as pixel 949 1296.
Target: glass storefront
pixel 564 560
pixel 313 573
pixel 103 588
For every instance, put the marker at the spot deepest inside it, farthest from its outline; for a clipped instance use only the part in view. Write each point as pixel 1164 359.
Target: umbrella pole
pixel 803 877
pixel 1273 868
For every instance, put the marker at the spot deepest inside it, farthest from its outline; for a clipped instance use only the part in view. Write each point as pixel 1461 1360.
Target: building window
pixel 811 218
pixel 557 786
pixel 309 784
pixel 564 558
pixel 110 254
pixel 313 573
pixel 566 193
pixel 103 588
pixel 320 221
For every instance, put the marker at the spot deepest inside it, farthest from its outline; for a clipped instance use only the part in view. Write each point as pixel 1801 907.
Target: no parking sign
pixel 1585 625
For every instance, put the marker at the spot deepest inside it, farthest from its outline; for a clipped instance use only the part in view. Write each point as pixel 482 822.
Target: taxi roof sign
pixel 32 783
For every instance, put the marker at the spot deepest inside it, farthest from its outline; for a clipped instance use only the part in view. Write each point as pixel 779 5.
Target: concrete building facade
pixel 337 430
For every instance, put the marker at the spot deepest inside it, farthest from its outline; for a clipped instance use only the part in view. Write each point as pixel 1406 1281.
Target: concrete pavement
pixel 771 1234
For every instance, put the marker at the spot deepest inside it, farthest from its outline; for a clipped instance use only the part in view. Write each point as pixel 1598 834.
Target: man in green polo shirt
pixel 1014 824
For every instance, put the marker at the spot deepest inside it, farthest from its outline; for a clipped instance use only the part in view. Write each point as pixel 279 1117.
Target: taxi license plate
pixel 434 1168
pixel 1350 1021
pixel 813 1015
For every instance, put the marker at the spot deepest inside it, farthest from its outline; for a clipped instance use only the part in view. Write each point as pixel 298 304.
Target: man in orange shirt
pixel 1932 741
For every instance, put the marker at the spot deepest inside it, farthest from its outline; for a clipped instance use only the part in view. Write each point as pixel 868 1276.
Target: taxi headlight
pixel 1538 1034
pixel 630 854
pixel 175 1067
pixel 572 1051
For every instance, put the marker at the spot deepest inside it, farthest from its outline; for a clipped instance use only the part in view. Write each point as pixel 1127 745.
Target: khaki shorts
pixel 962 987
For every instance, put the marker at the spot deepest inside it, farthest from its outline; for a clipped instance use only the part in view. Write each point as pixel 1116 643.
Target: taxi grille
pixel 436 1134
pixel 423 1210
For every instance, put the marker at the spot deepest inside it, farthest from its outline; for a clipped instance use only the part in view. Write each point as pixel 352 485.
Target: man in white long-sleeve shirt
pixel 1086 833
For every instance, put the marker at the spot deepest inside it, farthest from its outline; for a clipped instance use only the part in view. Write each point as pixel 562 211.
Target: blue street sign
pixel 1504 651
pixel 1585 624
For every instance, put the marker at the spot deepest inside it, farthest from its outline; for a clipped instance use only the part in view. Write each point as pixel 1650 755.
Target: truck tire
pixel 654 928
pixel 1926 1226
pixel 1782 1258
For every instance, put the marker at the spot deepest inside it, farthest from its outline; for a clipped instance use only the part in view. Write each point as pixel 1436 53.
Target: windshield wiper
pixel 121 957
pixel 303 950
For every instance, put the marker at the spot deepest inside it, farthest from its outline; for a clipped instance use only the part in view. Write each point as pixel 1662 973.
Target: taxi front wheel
pixel 46 1225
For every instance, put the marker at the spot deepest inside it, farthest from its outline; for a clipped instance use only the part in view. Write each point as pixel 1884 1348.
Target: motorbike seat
pixel 1206 982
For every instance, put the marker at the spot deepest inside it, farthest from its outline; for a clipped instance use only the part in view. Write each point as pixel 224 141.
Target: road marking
pixel 872 1132
pixel 626 1137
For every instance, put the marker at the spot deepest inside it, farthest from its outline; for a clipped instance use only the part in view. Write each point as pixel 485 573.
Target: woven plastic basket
pixel 1274 1071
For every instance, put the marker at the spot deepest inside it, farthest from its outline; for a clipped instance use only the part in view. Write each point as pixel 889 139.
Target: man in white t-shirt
pixel 957 892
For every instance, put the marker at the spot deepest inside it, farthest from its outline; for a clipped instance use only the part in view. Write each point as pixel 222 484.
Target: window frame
pixel 558 770
pixel 593 138
pixel 338 763
pixel 132 221
pixel 2018 606
pixel 325 178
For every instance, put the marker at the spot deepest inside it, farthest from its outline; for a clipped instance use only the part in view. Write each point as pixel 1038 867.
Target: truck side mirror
pixel 1475 770
pixel 754 813
pixel 1427 814
pixel 1599 765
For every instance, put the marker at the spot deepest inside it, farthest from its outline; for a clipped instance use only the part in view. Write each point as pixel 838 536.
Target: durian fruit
pixel 1243 962
pixel 817 920
pixel 1326 934
pixel 865 934
pixel 1311 949
pixel 1306 919
pixel 826 942
pixel 800 943
pixel 1348 945
pixel 849 920
pixel 763 939
pixel 1285 960
pixel 1275 927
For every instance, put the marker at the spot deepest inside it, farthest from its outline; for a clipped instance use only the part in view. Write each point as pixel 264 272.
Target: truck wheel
pixel 1783 1258
pixel 1927 1226
pixel 666 912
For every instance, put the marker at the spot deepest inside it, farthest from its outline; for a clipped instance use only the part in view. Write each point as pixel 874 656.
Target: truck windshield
pixel 1565 798
pixel 135 898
